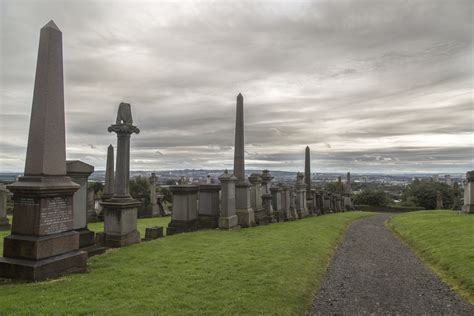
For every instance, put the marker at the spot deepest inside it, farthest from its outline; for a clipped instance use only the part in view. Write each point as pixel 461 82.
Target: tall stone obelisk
pixel 307 171
pixel 120 211
pixel 109 175
pixel 245 213
pixel 43 243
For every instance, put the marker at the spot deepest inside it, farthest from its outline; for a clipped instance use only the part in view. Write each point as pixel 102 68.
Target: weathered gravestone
pixel 456 199
pixel 245 213
pixel 468 206
pixel 209 205
pixel 184 217
pixel 228 218
pixel 120 211
pixel 300 191
pixel 276 192
pixel 43 243
pixel 79 172
pixel 4 224
pixel 256 199
pixel 267 195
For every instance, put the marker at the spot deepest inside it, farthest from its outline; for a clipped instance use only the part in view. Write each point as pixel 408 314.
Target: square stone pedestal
pixel 42 243
pixel 4 224
pixel 184 217
pixel 243 208
pixel 120 222
pixel 209 205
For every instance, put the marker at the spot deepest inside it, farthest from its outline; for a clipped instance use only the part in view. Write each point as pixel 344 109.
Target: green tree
pixel 334 187
pixel 423 193
pixel 373 198
pixel 140 189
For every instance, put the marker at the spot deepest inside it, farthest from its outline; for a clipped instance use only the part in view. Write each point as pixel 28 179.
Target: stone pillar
pixel 327 204
pixel 228 219
pixel 300 190
pixel 468 206
pixel 120 211
pixel 184 217
pixel 153 199
pixel 209 205
pixel 439 200
pixel 277 203
pixel 4 224
pixel 286 203
pixel 79 172
pixel 293 212
pixel 244 210
pixel 43 243
pixel 266 181
pixel 109 175
pixel 456 200
pixel 261 217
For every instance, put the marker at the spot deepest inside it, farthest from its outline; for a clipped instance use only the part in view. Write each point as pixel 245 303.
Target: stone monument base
pixel 261 217
pixel 228 222
pixel 92 216
pixel 246 217
pixel 87 243
pixel 180 226
pixel 4 224
pixel 468 209
pixel 38 270
pixel 208 221
pixel 120 222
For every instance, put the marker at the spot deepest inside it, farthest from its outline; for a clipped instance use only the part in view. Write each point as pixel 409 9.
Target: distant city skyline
pixel 370 86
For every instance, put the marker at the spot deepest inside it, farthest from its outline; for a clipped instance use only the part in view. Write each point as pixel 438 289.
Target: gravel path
pixel 374 273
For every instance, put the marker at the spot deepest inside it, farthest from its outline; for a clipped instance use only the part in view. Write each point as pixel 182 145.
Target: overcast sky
pixel 370 86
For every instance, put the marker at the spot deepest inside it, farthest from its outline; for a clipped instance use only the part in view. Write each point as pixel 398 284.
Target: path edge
pixel 331 257
pixel 443 276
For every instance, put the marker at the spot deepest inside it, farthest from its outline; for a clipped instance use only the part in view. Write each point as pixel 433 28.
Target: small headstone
pixel 154 232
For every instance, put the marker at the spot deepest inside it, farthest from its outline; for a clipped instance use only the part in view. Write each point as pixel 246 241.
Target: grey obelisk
pixel 307 171
pixel 245 213
pixel 239 159
pixel 120 211
pixel 109 174
pixel 310 202
pixel 43 243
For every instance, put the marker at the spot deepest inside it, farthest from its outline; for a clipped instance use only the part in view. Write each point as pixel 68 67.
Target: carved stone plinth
pixel 120 222
pixel 209 205
pixel 184 217
pixel 42 243
pixel 243 208
pixel 468 206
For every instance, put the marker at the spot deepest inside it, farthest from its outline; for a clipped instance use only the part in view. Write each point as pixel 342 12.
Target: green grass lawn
pixel 99 227
pixel 445 241
pixel 274 269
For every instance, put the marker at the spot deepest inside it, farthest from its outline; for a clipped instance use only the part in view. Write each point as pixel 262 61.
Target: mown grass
pixel 445 241
pixel 142 224
pixel 274 269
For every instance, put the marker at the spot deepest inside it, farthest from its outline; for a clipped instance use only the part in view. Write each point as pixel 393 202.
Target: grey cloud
pixel 340 76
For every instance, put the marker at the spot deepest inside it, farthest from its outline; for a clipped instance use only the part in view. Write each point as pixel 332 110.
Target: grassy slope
pixel 99 227
pixel 444 240
pixel 272 269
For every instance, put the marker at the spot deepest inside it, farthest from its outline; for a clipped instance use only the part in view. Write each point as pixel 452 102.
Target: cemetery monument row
pixel 43 242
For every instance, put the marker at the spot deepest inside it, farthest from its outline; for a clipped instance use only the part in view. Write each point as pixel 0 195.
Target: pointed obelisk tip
pixel 51 25
pixel 307 147
pixel 110 146
pixel 239 96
